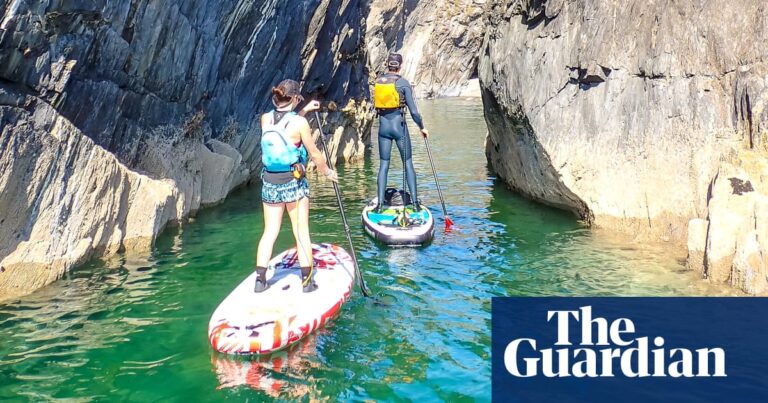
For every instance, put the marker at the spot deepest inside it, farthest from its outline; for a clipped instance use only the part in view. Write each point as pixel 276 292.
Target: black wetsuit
pixel 392 127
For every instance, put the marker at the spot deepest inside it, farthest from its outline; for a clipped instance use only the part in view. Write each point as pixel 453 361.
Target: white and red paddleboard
pixel 247 322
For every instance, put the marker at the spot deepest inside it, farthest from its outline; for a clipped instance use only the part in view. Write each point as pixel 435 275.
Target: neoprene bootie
pixel 308 279
pixel 261 279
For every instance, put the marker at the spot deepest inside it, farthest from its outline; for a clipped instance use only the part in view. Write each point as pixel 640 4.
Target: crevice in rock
pixel 653 76
pixel 475 63
pixel 129 27
pixel 648 210
pixel 18 90
pixel 750 133
pixel 534 14
pixel 553 96
pixel 705 263
pixel 743 115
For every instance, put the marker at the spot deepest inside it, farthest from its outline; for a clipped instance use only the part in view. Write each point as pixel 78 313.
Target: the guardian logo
pixel 607 349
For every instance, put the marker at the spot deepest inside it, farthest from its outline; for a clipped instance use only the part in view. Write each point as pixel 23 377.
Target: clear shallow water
pixel 135 328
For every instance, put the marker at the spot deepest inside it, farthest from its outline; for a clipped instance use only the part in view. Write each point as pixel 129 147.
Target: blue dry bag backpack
pixel 277 153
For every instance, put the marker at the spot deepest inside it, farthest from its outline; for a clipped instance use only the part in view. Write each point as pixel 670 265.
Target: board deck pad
pixel 247 322
pixel 386 226
pixel 389 215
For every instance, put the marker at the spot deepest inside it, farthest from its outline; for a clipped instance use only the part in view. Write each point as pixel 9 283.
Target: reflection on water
pixel 136 329
pixel 281 374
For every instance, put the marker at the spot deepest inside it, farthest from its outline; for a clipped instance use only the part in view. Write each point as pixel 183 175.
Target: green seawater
pixel 133 328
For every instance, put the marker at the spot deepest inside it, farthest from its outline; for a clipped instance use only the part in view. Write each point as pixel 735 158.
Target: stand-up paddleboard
pixel 247 322
pixel 398 224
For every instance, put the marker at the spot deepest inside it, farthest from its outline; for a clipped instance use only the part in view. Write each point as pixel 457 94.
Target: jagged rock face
pixel 620 111
pixel 170 89
pixel 439 41
pixel 63 198
pixel 116 69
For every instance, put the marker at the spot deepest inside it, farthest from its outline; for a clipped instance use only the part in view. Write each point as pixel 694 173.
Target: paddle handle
pixel 360 280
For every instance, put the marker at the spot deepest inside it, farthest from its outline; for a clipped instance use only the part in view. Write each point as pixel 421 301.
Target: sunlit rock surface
pixel 439 41
pixel 623 111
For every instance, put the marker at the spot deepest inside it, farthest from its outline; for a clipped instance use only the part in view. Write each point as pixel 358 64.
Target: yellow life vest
pixel 385 95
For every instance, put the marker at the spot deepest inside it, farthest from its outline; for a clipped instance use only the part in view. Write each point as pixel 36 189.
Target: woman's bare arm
pixel 313 151
pixel 311 106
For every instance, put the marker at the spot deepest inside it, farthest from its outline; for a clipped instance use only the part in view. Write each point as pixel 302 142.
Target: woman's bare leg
pixel 299 214
pixel 273 218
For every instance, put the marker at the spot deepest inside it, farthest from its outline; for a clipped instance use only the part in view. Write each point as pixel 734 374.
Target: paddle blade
pixel 448 223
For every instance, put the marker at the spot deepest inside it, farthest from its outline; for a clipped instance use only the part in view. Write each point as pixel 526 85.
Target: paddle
pixel 448 221
pixel 360 280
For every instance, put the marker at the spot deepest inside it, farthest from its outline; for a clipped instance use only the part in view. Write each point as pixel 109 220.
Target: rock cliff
pixel 439 42
pixel 631 114
pixel 119 117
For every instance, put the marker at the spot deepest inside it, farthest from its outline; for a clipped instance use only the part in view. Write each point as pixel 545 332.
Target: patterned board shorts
pixel 285 193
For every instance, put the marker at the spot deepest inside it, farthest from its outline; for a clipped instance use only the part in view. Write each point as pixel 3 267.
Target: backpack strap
pixel 403 83
pixel 287 118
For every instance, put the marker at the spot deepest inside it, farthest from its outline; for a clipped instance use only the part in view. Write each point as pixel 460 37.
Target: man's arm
pixel 408 93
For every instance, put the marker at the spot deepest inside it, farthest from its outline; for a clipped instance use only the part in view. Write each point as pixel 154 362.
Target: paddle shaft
pixel 336 189
pixel 437 182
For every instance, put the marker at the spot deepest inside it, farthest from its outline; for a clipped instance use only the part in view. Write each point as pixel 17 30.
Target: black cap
pixel 394 60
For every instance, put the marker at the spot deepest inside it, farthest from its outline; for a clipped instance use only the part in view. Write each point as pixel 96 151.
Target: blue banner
pixel 630 349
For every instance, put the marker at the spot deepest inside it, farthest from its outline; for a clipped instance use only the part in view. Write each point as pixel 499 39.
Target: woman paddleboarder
pixel 286 144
